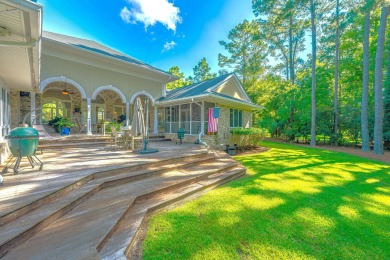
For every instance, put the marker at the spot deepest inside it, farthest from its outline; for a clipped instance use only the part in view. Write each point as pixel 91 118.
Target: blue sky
pixel 162 33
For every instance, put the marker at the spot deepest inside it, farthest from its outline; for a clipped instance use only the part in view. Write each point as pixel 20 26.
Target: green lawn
pixel 294 203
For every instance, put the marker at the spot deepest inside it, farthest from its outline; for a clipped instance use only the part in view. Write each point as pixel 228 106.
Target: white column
pixel 190 118
pixel 155 130
pixel 180 126
pixel 89 125
pixel 33 114
pixel 202 118
pixel 127 114
pixel 170 119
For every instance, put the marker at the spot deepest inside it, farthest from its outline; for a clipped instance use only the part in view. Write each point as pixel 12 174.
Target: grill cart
pixel 23 142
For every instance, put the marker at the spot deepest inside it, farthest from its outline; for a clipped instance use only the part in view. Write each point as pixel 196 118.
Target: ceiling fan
pixel 65 91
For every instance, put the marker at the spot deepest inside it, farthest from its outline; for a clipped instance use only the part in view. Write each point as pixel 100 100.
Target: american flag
pixel 213 122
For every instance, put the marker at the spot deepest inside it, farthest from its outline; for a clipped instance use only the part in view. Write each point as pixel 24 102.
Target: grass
pixel 294 203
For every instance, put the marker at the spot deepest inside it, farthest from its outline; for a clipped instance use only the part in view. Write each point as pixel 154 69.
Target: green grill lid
pixel 22 132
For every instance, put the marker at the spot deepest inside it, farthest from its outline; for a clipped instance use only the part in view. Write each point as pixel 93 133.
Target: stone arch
pixel 109 87
pixel 142 93
pixel 47 81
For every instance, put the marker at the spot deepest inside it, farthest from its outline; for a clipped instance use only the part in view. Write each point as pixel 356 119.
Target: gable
pixel 232 89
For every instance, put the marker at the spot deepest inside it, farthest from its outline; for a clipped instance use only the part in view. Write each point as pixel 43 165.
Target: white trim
pixel 47 81
pixel 109 87
pixel 134 96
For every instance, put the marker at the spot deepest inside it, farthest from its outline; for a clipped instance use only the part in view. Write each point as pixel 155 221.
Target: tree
pixel 366 71
pixel 247 52
pixel 222 72
pixel 378 126
pixel 202 71
pixel 175 71
pixel 283 24
pixel 336 76
pixel 313 72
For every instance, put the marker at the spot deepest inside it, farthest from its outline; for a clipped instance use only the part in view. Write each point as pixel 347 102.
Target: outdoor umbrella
pixel 138 127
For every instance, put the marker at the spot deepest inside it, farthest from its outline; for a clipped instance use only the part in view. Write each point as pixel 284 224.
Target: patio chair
pixel 118 137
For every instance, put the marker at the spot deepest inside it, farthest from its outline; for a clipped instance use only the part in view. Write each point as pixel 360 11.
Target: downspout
pixel 200 140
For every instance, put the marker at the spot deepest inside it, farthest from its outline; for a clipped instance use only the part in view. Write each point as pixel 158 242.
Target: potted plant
pixel 77 109
pixel 64 124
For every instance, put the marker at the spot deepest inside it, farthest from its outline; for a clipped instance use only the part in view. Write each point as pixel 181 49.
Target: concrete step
pixel 62 202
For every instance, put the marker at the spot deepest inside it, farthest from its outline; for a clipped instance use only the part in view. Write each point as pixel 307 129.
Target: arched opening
pixel 62 100
pixel 107 108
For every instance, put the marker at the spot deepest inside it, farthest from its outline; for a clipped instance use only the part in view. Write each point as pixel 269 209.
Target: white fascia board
pixel 181 100
pixel 252 106
pixel 169 77
pixel 241 88
pixel 237 81
pixel 24 4
pixel 219 84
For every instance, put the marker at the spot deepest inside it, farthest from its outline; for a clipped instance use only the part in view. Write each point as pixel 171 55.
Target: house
pixel 189 108
pixel 45 74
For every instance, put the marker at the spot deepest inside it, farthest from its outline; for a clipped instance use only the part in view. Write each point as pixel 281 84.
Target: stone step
pixel 32 223
pixel 127 233
pixel 83 228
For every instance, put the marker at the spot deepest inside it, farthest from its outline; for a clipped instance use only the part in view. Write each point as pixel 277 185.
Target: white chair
pixel 118 137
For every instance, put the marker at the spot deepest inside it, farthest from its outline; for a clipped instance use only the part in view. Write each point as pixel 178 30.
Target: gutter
pixel 190 99
pixel 29 44
pixel 238 101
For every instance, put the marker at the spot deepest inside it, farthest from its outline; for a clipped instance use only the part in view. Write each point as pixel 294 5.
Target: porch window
pixel 235 118
pixel 185 117
pixel 100 114
pixel 196 122
pixel 53 108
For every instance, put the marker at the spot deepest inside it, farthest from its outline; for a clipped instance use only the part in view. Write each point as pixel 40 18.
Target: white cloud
pixel 169 45
pixel 125 14
pixel 150 12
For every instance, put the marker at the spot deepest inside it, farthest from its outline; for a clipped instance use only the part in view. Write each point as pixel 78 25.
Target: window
pixel 235 118
pixel 100 114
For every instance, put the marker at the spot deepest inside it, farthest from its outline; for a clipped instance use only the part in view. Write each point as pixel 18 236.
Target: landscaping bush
pixel 53 122
pixel 111 124
pixel 247 137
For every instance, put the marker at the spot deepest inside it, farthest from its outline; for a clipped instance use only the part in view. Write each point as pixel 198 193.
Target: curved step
pixel 96 174
pixel 61 204
pixel 123 240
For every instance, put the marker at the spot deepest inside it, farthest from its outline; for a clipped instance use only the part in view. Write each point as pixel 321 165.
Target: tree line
pixel 333 90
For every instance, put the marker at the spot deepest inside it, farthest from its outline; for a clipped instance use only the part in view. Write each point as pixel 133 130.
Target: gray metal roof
pixel 97 48
pixel 196 89
pixel 204 88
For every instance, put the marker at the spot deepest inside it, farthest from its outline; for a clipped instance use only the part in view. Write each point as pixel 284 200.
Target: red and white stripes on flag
pixel 213 122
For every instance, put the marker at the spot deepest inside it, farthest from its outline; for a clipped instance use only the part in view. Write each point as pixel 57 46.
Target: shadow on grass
pixel 294 203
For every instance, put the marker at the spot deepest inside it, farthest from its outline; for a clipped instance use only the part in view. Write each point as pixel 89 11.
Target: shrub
pixel 111 124
pixel 65 122
pixel 247 137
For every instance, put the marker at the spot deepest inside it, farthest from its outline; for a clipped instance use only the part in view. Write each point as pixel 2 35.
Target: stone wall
pixel 15 108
